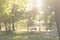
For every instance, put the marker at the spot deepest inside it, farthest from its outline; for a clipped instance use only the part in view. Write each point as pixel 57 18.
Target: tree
pixel 3 7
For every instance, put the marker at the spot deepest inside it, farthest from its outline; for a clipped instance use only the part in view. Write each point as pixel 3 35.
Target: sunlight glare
pixel 39 4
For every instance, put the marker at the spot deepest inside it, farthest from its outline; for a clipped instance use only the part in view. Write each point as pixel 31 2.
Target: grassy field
pixel 27 36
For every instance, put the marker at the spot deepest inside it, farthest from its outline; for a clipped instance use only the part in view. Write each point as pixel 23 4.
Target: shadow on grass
pixel 3 33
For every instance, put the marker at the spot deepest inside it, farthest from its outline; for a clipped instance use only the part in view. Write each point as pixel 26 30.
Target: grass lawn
pixel 27 36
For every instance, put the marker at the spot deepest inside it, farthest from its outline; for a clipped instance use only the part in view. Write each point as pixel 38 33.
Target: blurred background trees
pixel 28 14
pixel 31 11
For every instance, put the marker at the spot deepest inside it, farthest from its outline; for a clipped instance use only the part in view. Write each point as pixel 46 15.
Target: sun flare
pixel 38 4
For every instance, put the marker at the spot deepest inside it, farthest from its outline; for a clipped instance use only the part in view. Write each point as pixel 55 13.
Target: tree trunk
pixel 0 27
pixel 9 26
pixel 13 27
pixel 6 27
